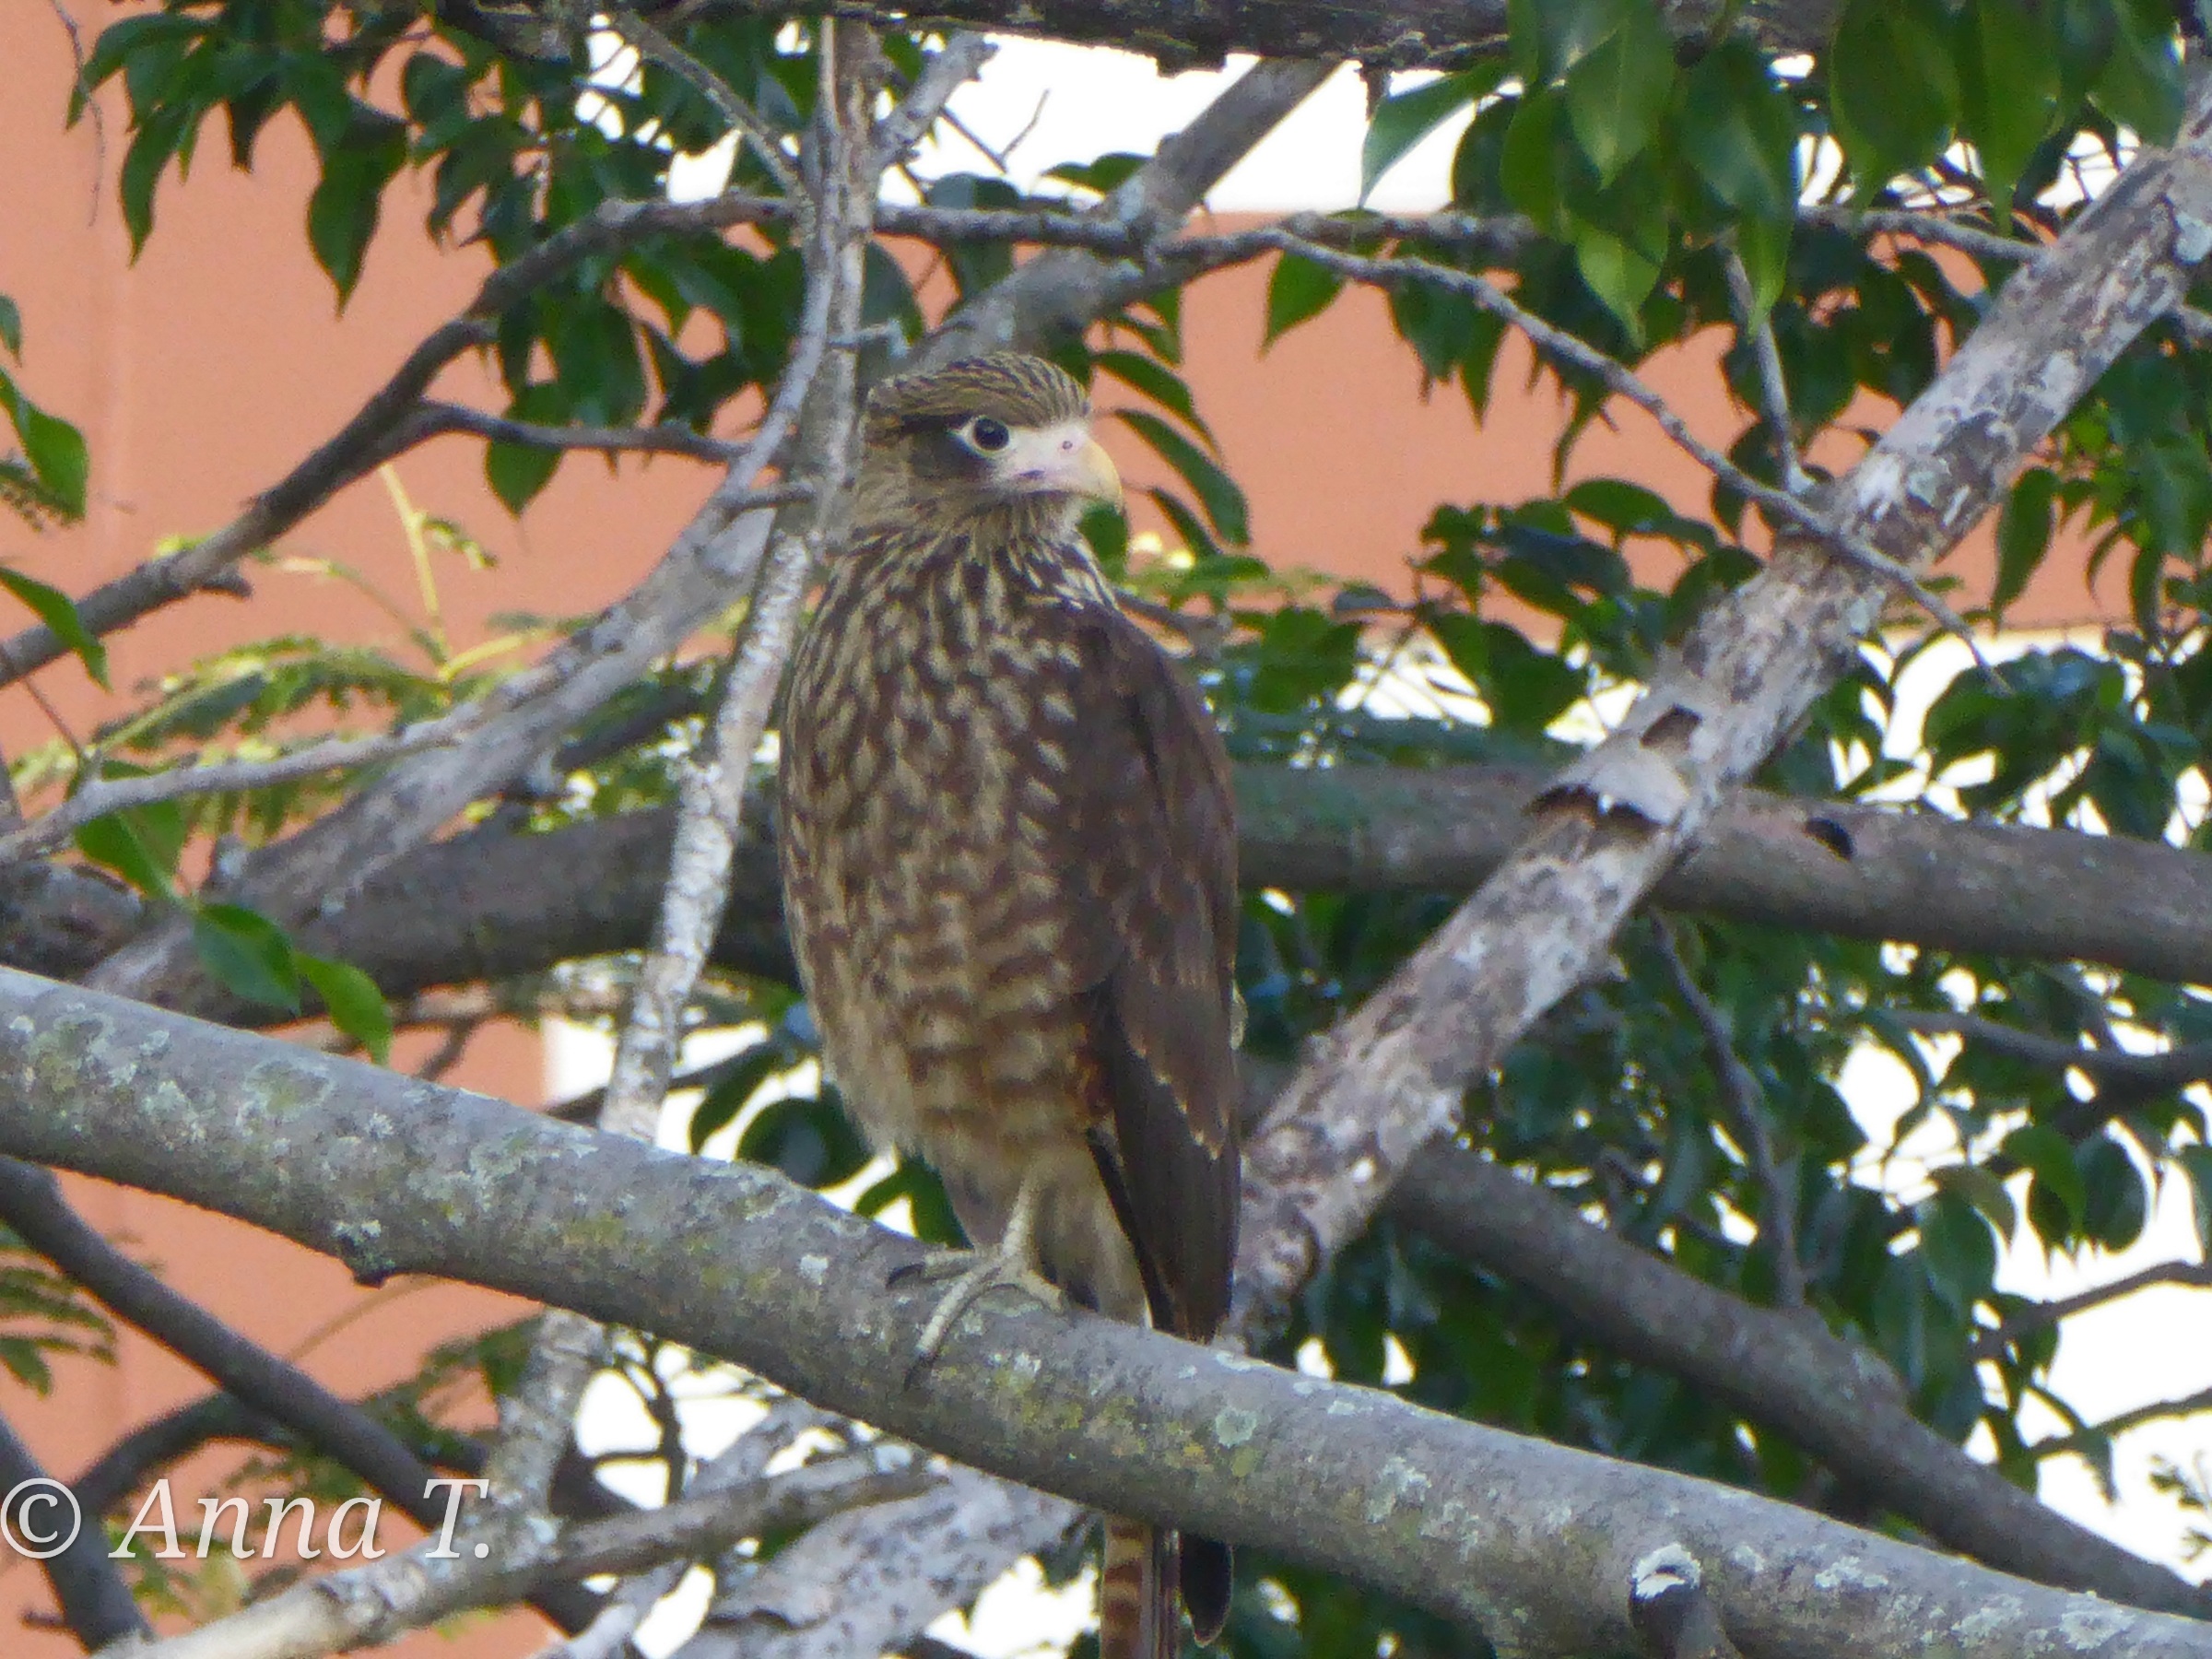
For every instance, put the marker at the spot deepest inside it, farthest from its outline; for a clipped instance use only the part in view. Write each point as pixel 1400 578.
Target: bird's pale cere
pixel 1009 868
pixel 1060 459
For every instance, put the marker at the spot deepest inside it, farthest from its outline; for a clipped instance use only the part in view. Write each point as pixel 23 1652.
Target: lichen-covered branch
pixel 1531 1542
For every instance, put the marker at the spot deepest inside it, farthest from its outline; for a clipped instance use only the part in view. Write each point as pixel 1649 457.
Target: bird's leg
pixel 1010 1264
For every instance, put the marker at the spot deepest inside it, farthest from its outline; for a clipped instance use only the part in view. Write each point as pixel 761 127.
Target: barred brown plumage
pixel 1009 866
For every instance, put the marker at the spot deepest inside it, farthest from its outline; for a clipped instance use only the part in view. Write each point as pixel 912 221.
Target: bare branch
pixel 1576 354
pixel 2041 1316
pixel 1773 389
pixel 953 65
pixel 1392 34
pixel 2158 1072
pixel 1747 1107
pixel 434 417
pixel 96 1604
pixel 368 1605
pixel 865 1583
pixel 104 795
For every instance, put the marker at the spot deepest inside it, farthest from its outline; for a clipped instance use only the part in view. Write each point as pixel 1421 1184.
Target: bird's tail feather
pixel 1203 1573
pixel 1137 1594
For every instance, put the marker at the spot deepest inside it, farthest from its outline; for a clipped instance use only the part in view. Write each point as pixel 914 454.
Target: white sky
pixel 1055 104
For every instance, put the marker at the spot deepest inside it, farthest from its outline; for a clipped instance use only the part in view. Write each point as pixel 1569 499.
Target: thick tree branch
pixel 491 904
pixel 1532 1542
pixel 1396 34
pixel 1780 1370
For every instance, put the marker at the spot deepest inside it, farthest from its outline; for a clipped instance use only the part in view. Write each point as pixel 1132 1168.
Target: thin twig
pixel 1747 1119
pixel 1773 389
pixel 1991 1343
pixel 2168 1068
pixel 106 796
pixel 1618 379
pixel 652 441
pixel 760 137
pixel 816 399
pixel 949 68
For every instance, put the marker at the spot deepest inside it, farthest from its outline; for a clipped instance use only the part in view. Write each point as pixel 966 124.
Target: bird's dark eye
pixel 988 435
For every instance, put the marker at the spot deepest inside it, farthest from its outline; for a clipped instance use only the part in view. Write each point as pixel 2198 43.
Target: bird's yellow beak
pixel 1090 472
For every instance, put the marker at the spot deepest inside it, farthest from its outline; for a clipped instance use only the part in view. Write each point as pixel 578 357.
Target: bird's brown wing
pixel 1152 839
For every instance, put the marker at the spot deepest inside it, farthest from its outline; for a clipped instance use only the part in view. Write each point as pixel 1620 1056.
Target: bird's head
pixel 1006 435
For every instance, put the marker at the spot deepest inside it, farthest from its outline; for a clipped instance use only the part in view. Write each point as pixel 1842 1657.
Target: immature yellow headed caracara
pixel 1010 869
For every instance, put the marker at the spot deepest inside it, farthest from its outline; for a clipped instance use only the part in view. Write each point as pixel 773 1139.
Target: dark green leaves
pixel 1617 93
pixel 1218 493
pixel 2009 83
pixel 1405 118
pixel 1893 87
pixel 362 157
pixel 248 954
pixel 51 477
pixel 1297 290
pixel 1738 131
pixel 253 959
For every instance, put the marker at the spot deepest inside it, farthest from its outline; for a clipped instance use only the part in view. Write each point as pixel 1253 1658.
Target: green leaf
pixel 354 1004
pixel 54 449
pixel 1616 94
pixel 516 472
pixel 1738 130
pixel 1297 290
pixel 1618 275
pixel 2141 86
pixel 1956 1249
pixel 249 954
pixel 58 611
pixel 719 1107
pixel 1550 37
pixel 2008 88
pixel 1157 382
pixel 1892 86
pixel 56 453
pixel 141 845
pixel 157 140
pixel 1531 161
pixel 2197 1161
pixel 2024 532
pixel 11 326
pixel 1764 247
pixel 2050 1157
pixel 1216 490
pixel 342 213
pixel 1405 119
